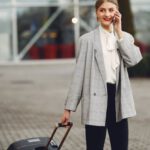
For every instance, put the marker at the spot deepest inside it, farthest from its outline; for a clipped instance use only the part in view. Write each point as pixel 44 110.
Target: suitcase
pixel 41 143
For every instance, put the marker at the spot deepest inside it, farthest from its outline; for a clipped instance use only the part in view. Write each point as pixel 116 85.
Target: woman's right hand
pixel 65 117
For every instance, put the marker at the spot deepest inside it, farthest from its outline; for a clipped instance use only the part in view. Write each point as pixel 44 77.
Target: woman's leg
pixel 118 132
pixel 95 137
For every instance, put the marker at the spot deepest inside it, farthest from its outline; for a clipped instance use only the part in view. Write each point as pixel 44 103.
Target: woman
pixel 101 80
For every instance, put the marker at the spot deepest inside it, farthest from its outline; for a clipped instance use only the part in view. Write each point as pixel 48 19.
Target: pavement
pixel 32 96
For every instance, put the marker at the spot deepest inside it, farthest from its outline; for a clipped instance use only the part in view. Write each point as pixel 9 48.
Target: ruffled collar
pixel 111 43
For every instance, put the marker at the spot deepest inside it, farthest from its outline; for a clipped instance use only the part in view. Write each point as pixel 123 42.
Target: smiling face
pixel 105 14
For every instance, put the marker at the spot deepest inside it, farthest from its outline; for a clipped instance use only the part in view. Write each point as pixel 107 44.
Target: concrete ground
pixel 32 97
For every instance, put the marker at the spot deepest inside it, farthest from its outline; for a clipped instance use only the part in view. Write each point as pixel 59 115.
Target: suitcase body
pixel 40 143
pixel 37 143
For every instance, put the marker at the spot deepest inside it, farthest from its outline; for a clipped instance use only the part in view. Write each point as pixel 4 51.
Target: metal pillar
pixel 14 30
pixel 77 25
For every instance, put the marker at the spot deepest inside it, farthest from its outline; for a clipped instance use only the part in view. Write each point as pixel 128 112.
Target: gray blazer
pixel 89 80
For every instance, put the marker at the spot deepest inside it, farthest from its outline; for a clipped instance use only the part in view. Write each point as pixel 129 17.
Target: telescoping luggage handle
pixel 58 125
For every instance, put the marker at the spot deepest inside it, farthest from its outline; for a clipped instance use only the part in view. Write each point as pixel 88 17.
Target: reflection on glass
pixel 56 42
pixel 87 12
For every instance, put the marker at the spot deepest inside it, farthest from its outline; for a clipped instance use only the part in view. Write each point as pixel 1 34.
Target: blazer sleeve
pixel 76 86
pixel 129 51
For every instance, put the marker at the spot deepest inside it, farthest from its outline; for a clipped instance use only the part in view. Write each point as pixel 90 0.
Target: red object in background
pixel 143 47
pixel 67 50
pixel 34 52
pixel 50 51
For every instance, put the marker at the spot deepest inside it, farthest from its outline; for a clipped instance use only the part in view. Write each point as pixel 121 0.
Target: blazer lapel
pixel 99 53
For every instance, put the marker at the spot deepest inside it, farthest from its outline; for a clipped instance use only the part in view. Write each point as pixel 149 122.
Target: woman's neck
pixel 107 28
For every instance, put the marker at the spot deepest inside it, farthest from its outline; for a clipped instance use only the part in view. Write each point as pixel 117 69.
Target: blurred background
pixel 38 40
pixel 49 29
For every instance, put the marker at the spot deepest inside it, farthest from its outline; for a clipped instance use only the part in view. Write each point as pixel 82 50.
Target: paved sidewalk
pixel 32 99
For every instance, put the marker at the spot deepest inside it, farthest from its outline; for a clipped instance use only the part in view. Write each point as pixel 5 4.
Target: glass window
pixel 4 1
pixel 57 41
pixel 43 1
pixel 5 34
pixel 31 1
pixel 87 24
pixel 141 13
pixel 87 0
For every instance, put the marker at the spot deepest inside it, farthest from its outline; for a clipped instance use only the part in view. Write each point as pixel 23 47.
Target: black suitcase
pixel 41 143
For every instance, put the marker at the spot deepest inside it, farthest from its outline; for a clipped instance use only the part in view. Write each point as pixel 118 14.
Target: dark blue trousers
pixel 118 132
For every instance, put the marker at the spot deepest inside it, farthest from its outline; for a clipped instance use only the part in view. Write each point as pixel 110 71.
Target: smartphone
pixel 113 23
pixel 113 20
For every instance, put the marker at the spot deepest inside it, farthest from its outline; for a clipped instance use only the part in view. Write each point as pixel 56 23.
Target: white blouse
pixel 110 54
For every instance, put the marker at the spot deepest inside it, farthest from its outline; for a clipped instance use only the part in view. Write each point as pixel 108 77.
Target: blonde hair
pixel 100 2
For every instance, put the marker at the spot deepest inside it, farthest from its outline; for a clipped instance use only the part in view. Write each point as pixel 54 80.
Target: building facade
pixel 50 29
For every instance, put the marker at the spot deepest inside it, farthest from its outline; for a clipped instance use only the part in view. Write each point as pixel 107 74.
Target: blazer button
pixel 94 94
